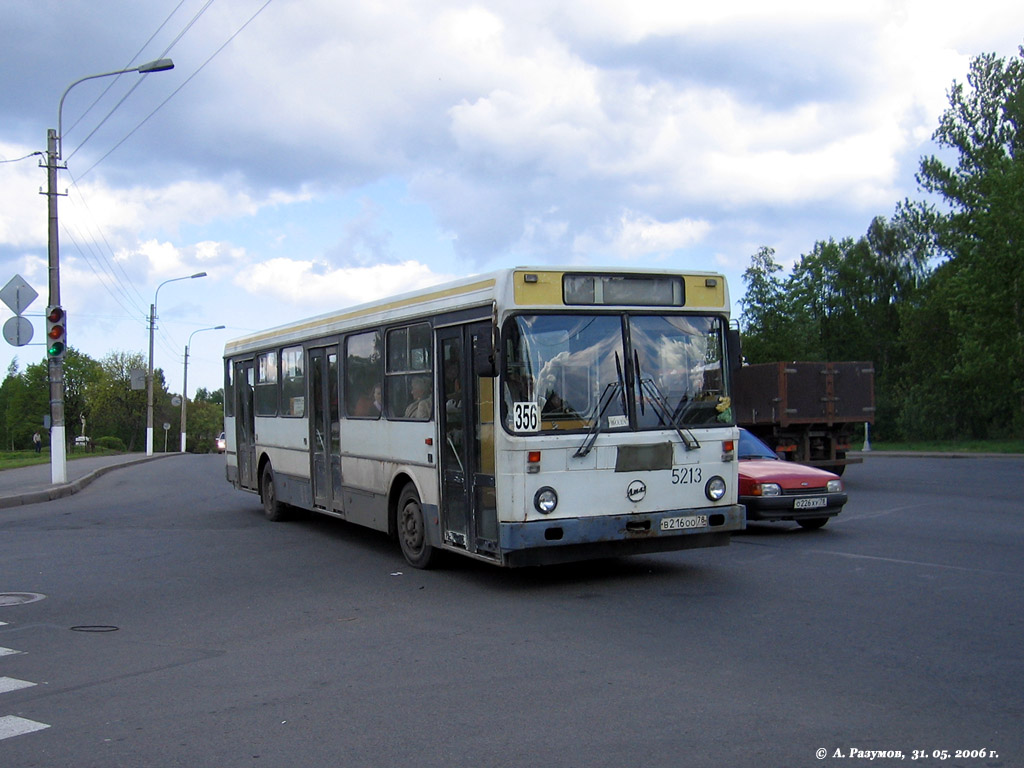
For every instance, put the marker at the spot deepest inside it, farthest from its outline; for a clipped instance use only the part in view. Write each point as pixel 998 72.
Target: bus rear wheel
pixel 272 506
pixel 412 530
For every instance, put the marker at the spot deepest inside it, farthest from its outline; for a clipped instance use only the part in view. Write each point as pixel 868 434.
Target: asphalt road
pixel 173 626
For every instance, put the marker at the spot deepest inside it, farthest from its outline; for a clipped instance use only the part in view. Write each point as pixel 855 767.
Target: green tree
pixel 767 323
pixel 978 295
pixel 116 410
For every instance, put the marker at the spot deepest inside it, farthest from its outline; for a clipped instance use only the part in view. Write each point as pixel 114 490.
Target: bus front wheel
pixel 412 530
pixel 272 506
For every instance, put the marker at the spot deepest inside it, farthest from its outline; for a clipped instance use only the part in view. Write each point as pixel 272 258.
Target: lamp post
pixel 149 378
pixel 55 361
pixel 184 380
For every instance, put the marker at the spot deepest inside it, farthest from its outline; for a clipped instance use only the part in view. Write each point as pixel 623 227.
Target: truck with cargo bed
pixel 806 411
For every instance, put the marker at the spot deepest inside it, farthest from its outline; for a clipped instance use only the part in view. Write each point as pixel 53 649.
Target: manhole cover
pixel 94 628
pixel 19 598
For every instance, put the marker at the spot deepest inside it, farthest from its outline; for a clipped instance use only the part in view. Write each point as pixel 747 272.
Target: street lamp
pixel 184 380
pixel 54 143
pixel 149 378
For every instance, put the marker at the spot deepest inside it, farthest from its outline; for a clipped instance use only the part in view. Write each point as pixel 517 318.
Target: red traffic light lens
pixel 56 315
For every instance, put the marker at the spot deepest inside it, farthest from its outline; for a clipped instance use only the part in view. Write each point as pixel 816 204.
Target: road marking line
pixel 11 725
pixel 8 651
pixel 13 684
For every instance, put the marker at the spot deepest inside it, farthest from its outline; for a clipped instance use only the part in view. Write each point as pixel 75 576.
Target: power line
pixel 179 88
pixel 26 157
pixel 114 80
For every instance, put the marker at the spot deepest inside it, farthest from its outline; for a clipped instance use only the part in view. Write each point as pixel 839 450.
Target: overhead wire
pixel 179 88
pixel 138 82
pixel 163 338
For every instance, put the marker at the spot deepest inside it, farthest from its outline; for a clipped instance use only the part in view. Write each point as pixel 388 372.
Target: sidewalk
pixel 30 485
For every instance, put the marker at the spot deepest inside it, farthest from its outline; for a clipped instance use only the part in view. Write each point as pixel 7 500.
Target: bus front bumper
pixel 562 540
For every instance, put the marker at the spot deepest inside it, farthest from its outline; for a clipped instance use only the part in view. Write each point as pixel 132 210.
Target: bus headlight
pixel 715 488
pixel 545 500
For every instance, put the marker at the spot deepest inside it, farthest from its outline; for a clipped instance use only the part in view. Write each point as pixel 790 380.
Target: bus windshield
pixel 612 372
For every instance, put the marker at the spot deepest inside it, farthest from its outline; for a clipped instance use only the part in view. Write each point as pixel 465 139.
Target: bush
pixel 110 443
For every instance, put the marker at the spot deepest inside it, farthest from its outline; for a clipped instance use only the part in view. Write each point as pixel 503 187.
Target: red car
pixel 774 489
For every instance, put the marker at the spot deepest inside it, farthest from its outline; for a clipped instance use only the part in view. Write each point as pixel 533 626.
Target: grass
pixel 14 459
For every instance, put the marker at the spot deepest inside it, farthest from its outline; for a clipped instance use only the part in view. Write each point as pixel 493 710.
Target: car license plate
pixel 810 503
pixel 682 523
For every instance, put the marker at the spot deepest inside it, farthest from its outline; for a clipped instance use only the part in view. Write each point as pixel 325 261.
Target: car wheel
pixel 272 506
pixel 412 530
pixel 812 523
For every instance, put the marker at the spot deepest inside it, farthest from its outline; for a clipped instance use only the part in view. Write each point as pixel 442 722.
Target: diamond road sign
pixel 18 294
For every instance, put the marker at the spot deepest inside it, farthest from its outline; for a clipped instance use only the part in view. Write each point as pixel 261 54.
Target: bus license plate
pixel 682 523
pixel 821 501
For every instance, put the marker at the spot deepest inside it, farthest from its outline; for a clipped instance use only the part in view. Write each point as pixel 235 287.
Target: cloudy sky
pixel 314 154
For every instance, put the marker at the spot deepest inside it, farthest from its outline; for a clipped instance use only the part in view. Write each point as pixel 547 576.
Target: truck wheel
pixel 272 506
pixel 412 530
pixel 812 523
pixel 842 467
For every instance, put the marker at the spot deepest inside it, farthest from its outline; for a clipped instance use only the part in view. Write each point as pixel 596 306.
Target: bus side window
pixel 266 384
pixel 363 376
pixel 408 379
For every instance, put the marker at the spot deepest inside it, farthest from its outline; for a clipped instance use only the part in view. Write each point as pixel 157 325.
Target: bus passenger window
pixel 293 383
pixel 408 374
pixel 266 384
pixel 363 376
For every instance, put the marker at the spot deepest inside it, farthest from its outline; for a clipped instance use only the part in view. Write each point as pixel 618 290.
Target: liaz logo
pixel 636 491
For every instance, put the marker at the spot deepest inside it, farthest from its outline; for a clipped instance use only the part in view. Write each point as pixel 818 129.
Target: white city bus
pixel 524 417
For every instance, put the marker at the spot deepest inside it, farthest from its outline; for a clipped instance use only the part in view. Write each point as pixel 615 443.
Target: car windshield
pixel 752 448
pixel 575 372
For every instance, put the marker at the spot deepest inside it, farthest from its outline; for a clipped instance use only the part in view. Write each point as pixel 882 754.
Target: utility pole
pixel 55 353
pixel 55 363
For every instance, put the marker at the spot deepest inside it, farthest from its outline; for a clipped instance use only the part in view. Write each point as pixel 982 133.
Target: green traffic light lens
pixel 55 349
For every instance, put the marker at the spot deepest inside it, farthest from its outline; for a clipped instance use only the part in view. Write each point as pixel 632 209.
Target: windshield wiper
pixel 610 391
pixel 660 405
pixel 661 408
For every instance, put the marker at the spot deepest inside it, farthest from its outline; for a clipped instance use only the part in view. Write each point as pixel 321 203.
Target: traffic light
pixel 56 333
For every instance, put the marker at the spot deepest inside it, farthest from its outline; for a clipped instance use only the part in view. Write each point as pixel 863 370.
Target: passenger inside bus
pixel 370 405
pixel 420 407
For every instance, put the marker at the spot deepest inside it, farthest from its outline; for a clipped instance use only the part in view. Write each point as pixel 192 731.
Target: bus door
pixel 324 427
pixel 245 424
pixel 466 407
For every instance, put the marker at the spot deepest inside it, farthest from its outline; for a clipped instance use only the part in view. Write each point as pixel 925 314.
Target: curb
pixel 936 454
pixel 67 489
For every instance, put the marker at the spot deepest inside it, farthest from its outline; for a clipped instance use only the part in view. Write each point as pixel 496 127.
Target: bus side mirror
pixel 732 341
pixel 484 365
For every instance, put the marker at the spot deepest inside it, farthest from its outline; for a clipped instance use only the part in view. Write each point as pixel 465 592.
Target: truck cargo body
pixel 806 411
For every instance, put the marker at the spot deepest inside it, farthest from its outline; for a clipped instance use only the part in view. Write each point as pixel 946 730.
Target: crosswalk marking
pixel 11 725
pixel 13 684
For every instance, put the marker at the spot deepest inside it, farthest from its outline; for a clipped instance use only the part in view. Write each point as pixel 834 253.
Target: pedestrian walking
pixel 37 442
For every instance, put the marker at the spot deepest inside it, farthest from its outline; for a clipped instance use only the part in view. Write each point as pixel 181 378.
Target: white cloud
pixel 314 283
pixel 637 236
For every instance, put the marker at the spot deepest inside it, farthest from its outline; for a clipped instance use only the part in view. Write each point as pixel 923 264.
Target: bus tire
pixel 272 506
pixel 412 529
pixel 812 523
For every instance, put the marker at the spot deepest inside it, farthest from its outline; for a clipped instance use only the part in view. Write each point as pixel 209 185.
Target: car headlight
pixel 545 500
pixel 714 489
pixel 835 486
pixel 768 489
